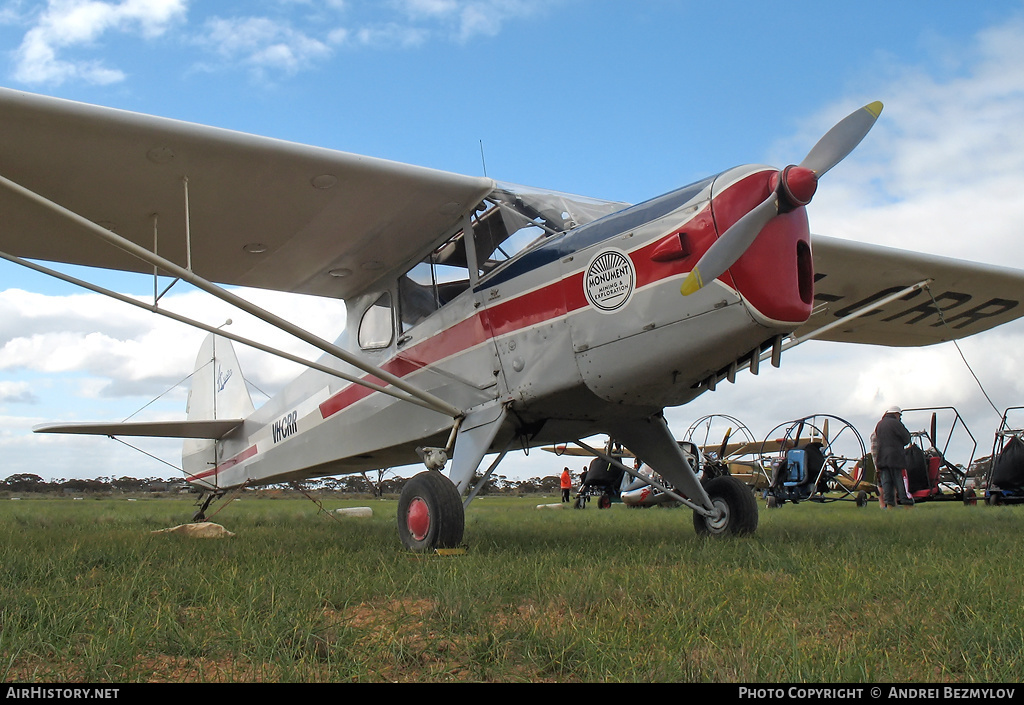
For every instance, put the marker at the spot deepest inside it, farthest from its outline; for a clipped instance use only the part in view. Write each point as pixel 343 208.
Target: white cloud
pixel 16 393
pixel 66 24
pixel 66 40
pixel 263 43
pixel 466 19
pixel 128 352
pixel 943 169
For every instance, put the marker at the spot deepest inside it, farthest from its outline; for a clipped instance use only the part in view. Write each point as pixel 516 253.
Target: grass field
pixel 822 593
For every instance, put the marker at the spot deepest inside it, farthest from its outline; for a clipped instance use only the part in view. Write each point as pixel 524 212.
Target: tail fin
pixel 218 392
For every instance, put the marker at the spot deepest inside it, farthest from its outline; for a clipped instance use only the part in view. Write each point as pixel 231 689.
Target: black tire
pixel 862 499
pixel 604 502
pixel 430 513
pixel 970 498
pixel 737 504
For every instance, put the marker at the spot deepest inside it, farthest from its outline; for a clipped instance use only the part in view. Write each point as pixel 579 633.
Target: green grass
pixel 822 593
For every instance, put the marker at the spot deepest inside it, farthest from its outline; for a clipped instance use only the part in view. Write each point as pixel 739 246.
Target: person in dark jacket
pixel 892 438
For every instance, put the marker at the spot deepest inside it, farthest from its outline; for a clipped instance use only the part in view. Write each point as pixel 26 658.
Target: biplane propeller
pixel 482 316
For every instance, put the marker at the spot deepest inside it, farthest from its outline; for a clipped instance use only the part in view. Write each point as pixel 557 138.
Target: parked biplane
pixel 482 316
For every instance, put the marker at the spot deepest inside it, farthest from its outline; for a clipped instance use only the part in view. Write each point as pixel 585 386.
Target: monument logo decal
pixel 609 280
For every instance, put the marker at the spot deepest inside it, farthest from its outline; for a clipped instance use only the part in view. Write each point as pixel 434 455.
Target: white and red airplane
pixel 482 316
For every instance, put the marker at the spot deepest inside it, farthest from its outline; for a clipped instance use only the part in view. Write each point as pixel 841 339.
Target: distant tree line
pixel 28 482
pixel 378 484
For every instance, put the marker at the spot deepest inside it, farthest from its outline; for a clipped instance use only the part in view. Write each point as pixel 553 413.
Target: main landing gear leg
pixel 722 505
pixel 200 515
pixel 430 513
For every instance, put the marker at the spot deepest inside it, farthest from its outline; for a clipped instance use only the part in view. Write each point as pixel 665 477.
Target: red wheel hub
pixel 417 518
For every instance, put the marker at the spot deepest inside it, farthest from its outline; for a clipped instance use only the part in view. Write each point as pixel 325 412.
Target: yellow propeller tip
pixel 874 108
pixel 692 283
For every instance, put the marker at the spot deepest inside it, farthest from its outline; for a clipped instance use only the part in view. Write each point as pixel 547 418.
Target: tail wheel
pixel 735 505
pixel 430 513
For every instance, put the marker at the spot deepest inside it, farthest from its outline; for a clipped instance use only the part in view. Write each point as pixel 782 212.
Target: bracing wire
pixel 963 357
pixel 253 385
pixel 164 393
pixel 149 403
pixel 171 465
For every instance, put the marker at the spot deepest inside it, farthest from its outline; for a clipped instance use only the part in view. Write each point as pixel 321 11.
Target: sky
pixel 610 99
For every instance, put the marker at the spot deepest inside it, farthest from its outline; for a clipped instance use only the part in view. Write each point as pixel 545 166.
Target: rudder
pixel 218 391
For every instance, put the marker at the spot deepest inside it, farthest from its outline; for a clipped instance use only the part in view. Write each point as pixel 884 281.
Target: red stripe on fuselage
pixel 531 308
pixel 227 464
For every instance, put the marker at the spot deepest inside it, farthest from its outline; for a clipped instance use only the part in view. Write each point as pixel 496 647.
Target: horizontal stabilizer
pixel 215 428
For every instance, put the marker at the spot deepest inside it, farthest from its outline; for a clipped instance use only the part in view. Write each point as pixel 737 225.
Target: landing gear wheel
pixel 862 498
pixel 737 509
pixel 200 515
pixel 604 502
pixel 970 498
pixel 430 513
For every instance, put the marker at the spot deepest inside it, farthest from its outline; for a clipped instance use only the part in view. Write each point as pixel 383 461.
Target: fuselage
pixel 582 327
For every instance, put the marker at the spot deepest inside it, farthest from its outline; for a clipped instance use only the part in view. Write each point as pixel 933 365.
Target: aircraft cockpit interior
pixel 508 222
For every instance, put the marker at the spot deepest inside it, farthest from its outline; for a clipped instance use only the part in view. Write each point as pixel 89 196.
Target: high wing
pixel 260 212
pixel 852 277
pixel 214 428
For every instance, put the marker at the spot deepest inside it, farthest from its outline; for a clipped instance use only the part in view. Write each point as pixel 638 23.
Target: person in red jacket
pixel 566 484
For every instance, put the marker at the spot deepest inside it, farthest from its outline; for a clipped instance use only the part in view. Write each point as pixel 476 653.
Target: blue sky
pixel 617 100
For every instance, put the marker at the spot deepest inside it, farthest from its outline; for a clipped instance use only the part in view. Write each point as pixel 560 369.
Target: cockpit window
pixel 434 282
pixel 376 328
pixel 514 218
pixel 510 220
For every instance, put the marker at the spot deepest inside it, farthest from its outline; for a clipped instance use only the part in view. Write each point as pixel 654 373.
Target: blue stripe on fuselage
pixel 586 235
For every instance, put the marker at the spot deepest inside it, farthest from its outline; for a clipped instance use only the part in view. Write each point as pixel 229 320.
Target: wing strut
pixel 857 314
pixel 153 308
pixel 649 480
pixel 775 353
pixel 428 400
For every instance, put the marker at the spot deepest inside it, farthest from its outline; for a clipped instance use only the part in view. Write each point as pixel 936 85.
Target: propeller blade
pixel 725 443
pixel 731 245
pixel 842 139
pixel 829 151
pixel 933 429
